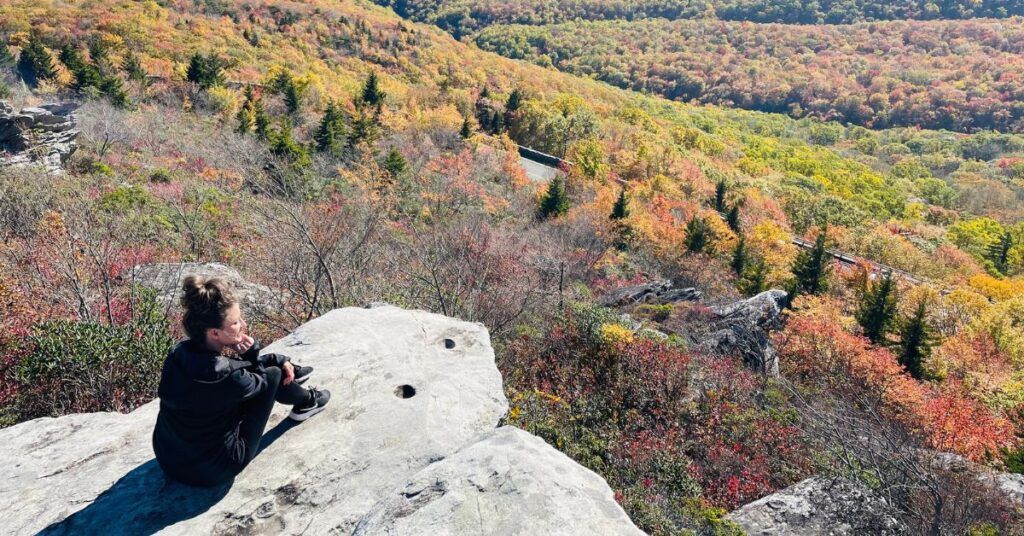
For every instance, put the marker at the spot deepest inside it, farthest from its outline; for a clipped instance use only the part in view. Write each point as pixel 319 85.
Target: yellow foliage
pixel 772 243
pixel 1004 323
pixel 221 100
pixel 613 334
pixel 996 289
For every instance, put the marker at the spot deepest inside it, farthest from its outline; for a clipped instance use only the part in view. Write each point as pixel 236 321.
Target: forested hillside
pixel 962 76
pixel 461 17
pixel 338 155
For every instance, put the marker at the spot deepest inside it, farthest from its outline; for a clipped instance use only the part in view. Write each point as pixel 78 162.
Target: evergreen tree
pixel 98 51
pixel 35 63
pixel 877 308
pixel 733 218
pixel 915 341
pixel 467 129
pixel 698 235
pixel 395 163
pixel 999 252
pixel 755 278
pixel 85 75
pixel 811 267
pixel 292 96
pixel 621 209
pixel 720 196
pixel 555 201
pixel 330 135
pixel 283 145
pixel 372 94
pixel 739 257
pixel 512 105
pixel 206 71
pixel 113 88
pixel 132 65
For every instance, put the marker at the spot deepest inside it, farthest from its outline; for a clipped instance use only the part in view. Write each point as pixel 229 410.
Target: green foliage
pixel 732 219
pixel 85 75
pixel 699 235
pixel 755 278
pixel 915 341
pixel 80 366
pixel 6 58
pixel 719 202
pixel 739 256
pixel 999 252
pixel 371 94
pixel 330 134
pixel 160 175
pixel 35 63
pixel 288 87
pixel 877 308
pixel 467 129
pixel 132 66
pixel 620 210
pixel 284 146
pixel 394 163
pixel 811 267
pixel 206 70
pixel 555 201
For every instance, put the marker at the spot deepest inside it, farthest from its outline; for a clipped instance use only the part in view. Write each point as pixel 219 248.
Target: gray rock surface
pixel 38 135
pixel 414 394
pixel 656 292
pixel 166 279
pixel 743 328
pixel 819 506
pixel 494 487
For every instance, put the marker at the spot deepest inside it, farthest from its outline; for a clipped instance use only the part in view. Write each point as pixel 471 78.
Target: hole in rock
pixel 405 391
pixel 449 344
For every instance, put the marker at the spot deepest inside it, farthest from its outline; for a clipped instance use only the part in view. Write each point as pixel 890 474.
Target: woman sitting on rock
pixel 213 408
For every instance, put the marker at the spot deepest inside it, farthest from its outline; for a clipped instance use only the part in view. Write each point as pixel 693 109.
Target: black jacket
pixel 201 395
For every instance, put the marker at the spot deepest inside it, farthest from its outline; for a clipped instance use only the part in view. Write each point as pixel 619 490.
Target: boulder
pixel 656 292
pixel 410 430
pixel 166 278
pixel 43 135
pixel 819 506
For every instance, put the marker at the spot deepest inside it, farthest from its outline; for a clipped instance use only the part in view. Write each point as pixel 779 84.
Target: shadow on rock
pixel 145 501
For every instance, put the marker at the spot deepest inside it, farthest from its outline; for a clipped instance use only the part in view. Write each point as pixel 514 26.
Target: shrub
pixel 160 175
pixel 75 366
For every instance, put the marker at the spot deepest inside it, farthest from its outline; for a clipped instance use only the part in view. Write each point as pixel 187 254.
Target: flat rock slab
pixel 412 392
pixel 509 482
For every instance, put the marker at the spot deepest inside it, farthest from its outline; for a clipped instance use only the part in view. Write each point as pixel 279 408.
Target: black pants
pixel 241 447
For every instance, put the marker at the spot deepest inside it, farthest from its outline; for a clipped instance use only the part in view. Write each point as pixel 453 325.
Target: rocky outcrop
pixel 42 135
pixel 656 292
pixel 408 445
pixel 819 506
pixel 166 278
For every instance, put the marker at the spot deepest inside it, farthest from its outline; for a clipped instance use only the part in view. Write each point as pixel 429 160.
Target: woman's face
pixel 231 332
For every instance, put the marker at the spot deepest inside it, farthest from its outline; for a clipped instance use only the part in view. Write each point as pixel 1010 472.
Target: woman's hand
pixel 244 345
pixel 289 373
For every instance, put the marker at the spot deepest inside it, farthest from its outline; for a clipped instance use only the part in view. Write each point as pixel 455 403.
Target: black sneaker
pixel 301 373
pixel 316 405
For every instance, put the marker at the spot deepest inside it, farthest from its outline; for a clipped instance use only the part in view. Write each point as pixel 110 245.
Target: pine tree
pixel 739 257
pixel 877 308
pixel 113 88
pixel 86 75
pixel 206 71
pixel 811 267
pixel 720 196
pixel 283 145
pixel 330 135
pixel 755 278
pixel 698 235
pixel 372 94
pixel 621 209
pixel 915 341
pixel 261 120
pixel 999 252
pixel 733 218
pixel 512 105
pixel 35 63
pixel 555 201
pixel 395 163
pixel 132 65
pixel 292 96
pixel 467 129
pixel 98 51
